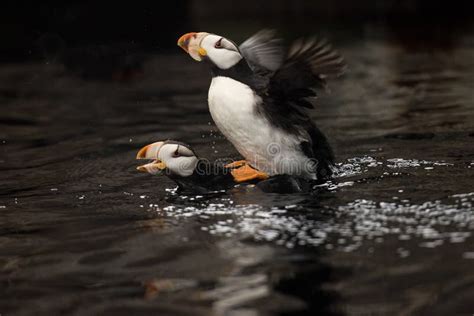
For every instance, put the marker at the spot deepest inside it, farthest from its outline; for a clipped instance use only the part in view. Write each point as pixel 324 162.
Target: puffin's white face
pixel 219 50
pixel 222 52
pixel 175 158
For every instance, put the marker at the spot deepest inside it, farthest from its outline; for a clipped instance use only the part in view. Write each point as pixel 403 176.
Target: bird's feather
pixel 308 63
pixel 263 50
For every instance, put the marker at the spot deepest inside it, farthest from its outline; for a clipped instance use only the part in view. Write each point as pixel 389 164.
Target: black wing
pixel 263 51
pixel 308 64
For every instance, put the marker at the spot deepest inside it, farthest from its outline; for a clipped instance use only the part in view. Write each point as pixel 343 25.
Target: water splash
pixel 346 228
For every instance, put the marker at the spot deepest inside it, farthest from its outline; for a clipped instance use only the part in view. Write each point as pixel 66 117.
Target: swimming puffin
pixel 258 99
pixel 179 162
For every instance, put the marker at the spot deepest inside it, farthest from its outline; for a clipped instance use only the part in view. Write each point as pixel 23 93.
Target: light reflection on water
pixel 346 227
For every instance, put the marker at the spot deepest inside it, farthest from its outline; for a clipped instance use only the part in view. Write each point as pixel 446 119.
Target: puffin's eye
pixel 176 152
pixel 219 43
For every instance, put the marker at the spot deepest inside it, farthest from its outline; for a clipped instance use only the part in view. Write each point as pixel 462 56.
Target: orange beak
pixel 142 152
pixel 184 40
pixel 191 43
pixel 150 151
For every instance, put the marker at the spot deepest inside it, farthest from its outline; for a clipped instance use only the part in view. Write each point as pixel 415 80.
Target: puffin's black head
pixel 172 157
pixel 220 51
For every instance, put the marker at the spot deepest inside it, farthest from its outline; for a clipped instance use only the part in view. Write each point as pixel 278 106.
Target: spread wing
pixel 263 51
pixel 306 67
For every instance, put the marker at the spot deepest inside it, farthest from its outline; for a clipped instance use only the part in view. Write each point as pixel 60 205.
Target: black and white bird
pixel 259 96
pixel 179 162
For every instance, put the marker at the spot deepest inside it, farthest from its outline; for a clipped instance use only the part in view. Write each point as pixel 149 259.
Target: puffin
pixel 179 162
pixel 259 98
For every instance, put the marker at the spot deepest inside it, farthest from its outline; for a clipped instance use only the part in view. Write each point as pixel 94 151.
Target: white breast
pixel 232 105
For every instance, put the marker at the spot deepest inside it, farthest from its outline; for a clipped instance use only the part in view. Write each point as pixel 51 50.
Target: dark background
pixel 87 30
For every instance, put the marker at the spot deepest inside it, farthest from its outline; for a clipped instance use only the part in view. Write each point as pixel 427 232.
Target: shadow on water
pixel 83 233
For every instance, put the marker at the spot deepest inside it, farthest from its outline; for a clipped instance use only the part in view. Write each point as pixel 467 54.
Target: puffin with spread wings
pixel 259 97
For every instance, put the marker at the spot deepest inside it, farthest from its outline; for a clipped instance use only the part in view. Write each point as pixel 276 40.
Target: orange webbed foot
pixel 236 164
pixel 247 173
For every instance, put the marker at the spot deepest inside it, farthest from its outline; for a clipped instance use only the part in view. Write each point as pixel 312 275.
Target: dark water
pixel 83 233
